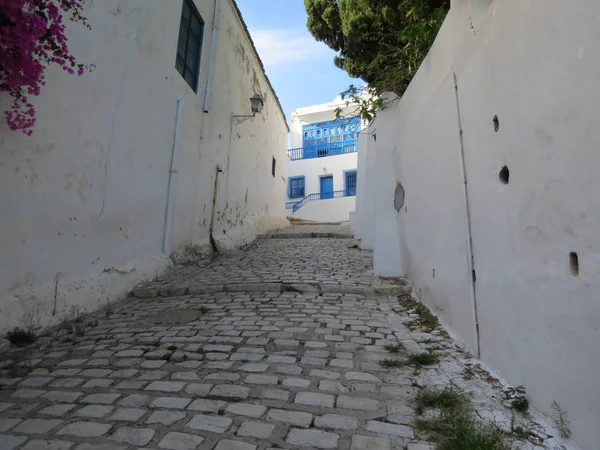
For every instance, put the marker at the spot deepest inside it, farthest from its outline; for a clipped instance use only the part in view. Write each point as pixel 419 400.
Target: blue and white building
pixel 322 163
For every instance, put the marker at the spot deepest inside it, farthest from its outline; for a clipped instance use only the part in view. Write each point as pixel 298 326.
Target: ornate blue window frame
pixel 350 182
pixel 297 187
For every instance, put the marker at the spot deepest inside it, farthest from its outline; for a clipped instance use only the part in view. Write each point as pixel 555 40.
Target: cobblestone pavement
pixel 277 346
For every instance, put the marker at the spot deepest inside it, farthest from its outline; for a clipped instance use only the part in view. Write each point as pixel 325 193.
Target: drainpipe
pixel 213 56
pixel 213 242
pixel 173 178
pixel 469 237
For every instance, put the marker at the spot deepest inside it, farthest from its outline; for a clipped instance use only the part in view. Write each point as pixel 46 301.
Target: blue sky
pixel 300 68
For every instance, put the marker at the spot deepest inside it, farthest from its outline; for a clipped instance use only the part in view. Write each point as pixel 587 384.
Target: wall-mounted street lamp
pixel 256 106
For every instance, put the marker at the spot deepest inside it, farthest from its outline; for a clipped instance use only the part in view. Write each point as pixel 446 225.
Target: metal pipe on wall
pixel 213 242
pixel 469 237
pixel 173 178
pixel 213 56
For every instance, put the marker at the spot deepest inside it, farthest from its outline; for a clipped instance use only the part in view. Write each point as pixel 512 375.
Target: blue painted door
pixel 326 187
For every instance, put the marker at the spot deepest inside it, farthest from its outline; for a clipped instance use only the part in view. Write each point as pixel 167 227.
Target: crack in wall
pixel 108 152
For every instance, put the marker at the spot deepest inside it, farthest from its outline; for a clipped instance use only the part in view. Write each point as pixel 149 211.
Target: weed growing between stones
pixel 19 337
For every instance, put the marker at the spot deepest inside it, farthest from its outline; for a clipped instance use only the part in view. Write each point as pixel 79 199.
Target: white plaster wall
pixel 534 64
pixel 361 176
pixel 330 210
pixel 84 199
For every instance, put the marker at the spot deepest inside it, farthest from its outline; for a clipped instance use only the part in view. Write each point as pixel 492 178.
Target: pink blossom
pixel 32 36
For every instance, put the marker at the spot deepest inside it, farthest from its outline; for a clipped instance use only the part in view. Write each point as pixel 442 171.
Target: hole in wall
pixel 496 123
pixel 574 263
pixel 504 175
pixel 399 196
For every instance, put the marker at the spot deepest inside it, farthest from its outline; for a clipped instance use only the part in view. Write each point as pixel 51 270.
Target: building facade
pixel 482 187
pixel 322 163
pixel 152 155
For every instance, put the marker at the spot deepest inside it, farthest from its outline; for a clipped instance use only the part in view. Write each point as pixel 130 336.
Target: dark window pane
pixel 187 9
pixel 189 44
pixel 196 26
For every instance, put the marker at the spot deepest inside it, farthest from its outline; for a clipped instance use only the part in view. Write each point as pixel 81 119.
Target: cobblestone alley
pixel 277 346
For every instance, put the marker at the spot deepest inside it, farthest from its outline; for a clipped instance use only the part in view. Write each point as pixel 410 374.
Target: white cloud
pixel 278 47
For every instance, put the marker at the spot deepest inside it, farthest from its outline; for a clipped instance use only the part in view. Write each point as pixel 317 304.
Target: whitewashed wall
pixel 534 64
pixel 84 199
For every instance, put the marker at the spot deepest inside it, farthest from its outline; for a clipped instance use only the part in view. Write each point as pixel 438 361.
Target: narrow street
pixel 277 346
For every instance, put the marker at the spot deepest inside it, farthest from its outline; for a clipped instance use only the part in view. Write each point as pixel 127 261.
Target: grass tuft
pixel 20 337
pixel 456 429
pixel 391 363
pixel 422 359
pixel 425 320
pixel 394 348
pixel 203 310
pixel 446 398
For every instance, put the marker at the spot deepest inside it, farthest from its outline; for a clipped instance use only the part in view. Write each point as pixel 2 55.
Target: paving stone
pixel 222 376
pixel 67 383
pixel 214 424
pixel 170 402
pixel 261 379
pixel 360 442
pixel 296 382
pixel 359 403
pixel 247 409
pixel 94 411
pixel 206 405
pixel 288 369
pixel 62 396
pixel 297 418
pixel 254 368
pixel 332 386
pixel 313 361
pixel 135 400
pixel 420 446
pixel 230 391
pixel 41 444
pixel 36 381
pixel 85 429
pixel 166 418
pixel 218 348
pixel 344 363
pixel 227 444
pixel 165 386
pixel 103 399
pixel 361 376
pixel 312 438
pixel 152 364
pixel 9 442
pixel 259 430
pixel 275 394
pixel 198 390
pixel 72 362
pixel 8 423
pixel 336 421
pixel 389 428
pixel 57 410
pixel 95 373
pixel 28 393
pixel 128 414
pixel 133 436
pixel 281 359
pixel 324 374
pixel 4 406
pixel 102 446
pixel 315 399
pixel 180 441
pixel 98 383
pixel 36 426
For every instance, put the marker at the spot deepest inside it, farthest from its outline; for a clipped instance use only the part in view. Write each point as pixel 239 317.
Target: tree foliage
pixel 382 42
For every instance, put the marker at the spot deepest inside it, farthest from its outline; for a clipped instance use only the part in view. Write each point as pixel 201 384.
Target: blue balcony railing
pixel 323 150
pixel 295 206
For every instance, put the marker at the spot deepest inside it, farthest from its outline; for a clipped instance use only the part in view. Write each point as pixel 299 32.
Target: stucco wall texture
pixel 533 64
pixel 84 199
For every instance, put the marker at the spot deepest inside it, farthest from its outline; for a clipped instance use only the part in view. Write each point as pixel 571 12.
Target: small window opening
pixel 273 166
pixel 504 175
pixel 574 263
